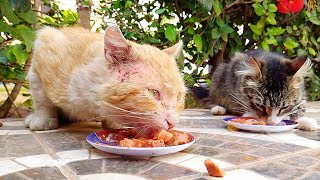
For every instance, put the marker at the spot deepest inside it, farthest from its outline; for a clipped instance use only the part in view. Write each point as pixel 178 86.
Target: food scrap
pixel 160 138
pixel 248 121
pixel 213 169
pixel 232 128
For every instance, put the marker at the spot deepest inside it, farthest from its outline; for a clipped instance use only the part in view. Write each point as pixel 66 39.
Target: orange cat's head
pixel 146 87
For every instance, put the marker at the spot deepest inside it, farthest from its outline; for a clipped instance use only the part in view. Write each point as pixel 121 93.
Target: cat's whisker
pixel 255 89
pixel 239 101
pixel 144 129
pixel 117 108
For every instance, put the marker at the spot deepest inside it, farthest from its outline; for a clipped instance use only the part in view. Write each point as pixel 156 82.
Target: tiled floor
pixel 64 153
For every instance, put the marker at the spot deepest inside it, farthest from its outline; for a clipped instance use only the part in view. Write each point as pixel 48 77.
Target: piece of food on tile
pixel 213 169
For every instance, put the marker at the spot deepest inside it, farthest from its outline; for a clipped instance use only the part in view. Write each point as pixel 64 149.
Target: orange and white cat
pixel 90 76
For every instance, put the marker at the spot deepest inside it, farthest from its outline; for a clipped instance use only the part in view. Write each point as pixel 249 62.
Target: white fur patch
pixel 308 124
pixel 218 110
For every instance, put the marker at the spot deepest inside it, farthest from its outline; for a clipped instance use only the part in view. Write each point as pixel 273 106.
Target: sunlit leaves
pixel 171 33
pixel 198 41
pixel 290 43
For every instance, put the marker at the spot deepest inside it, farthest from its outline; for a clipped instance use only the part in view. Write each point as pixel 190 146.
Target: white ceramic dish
pixel 114 148
pixel 290 125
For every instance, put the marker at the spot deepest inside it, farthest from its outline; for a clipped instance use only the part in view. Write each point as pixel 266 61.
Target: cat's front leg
pixel 305 123
pixel 218 110
pixel 44 116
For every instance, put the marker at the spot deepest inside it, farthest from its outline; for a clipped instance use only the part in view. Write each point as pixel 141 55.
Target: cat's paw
pixel 218 110
pixel 307 124
pixel 108 124
pixel 40 123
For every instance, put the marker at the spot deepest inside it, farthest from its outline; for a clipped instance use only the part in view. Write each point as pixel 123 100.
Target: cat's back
pixel 64 45
pixel 58 53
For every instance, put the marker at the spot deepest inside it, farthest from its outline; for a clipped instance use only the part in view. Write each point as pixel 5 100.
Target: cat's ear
pixel 300 66
pixel 116 47
pixel 253 63
pixel 175 50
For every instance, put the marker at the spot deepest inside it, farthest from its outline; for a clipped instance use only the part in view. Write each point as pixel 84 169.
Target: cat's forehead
pixel 163 67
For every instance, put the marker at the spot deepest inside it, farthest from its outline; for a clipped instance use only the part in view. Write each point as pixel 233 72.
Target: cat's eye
pixel 179 96
pixel 155 93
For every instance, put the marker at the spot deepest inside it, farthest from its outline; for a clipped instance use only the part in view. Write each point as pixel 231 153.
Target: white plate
pixel 114 148
pixel 263 128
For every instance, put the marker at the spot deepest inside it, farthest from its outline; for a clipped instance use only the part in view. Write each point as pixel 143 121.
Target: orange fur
pixel 90 75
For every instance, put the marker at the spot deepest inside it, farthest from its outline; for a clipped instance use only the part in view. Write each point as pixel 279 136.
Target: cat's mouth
pixel 170 126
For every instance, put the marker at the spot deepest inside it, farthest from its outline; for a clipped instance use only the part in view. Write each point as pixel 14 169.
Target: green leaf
pixel 5 72
pixel 27 35
pixel 290 43
pixel 272 8
pixel 313 17
pixel 180 61
pixel 207 4
pixel 275 31
pixel 19 74
pixel 21 5
pixel 271 40
pixel 215 33
pixel 265 45
pixel 258 9
pixel 271 19
pixel 128 4
pixel 256 37
pixel 191 31
pixel 261 23
pixel 155 40
pixel 3 60
pixel 28 103
pixel 312 51
pixel 226 28
pixel 30 17
pixel 255 29
pixel 161 10
pixel 171 33
pixel 217 7
pixel 220 22
pixel 301 52
pixel 189 80
pixel 289 29
pixel 224 36
pixel 9 54
pixel 20 54
pixel 198 41
pixel 8 12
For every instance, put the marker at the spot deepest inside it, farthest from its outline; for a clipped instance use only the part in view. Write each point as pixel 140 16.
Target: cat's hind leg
pixel 44 116
pixel 218 110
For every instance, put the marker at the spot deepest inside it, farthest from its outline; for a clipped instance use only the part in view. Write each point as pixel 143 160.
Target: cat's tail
pixel 200 94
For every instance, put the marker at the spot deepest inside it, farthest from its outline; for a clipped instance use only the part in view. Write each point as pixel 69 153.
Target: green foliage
pixel 60 18
pixel 17 38
pixel 211 27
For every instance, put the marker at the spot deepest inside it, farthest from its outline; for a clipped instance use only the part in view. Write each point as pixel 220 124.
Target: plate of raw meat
pixel 124 142
pixel 254 124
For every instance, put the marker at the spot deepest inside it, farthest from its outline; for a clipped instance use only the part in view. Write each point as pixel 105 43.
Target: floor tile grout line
pixel 143 171
pixel 64 169
pixel 45 147
pixel 241 166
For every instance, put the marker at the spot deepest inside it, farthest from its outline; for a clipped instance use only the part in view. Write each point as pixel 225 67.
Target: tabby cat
pixel 90 76
pixel 262 84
